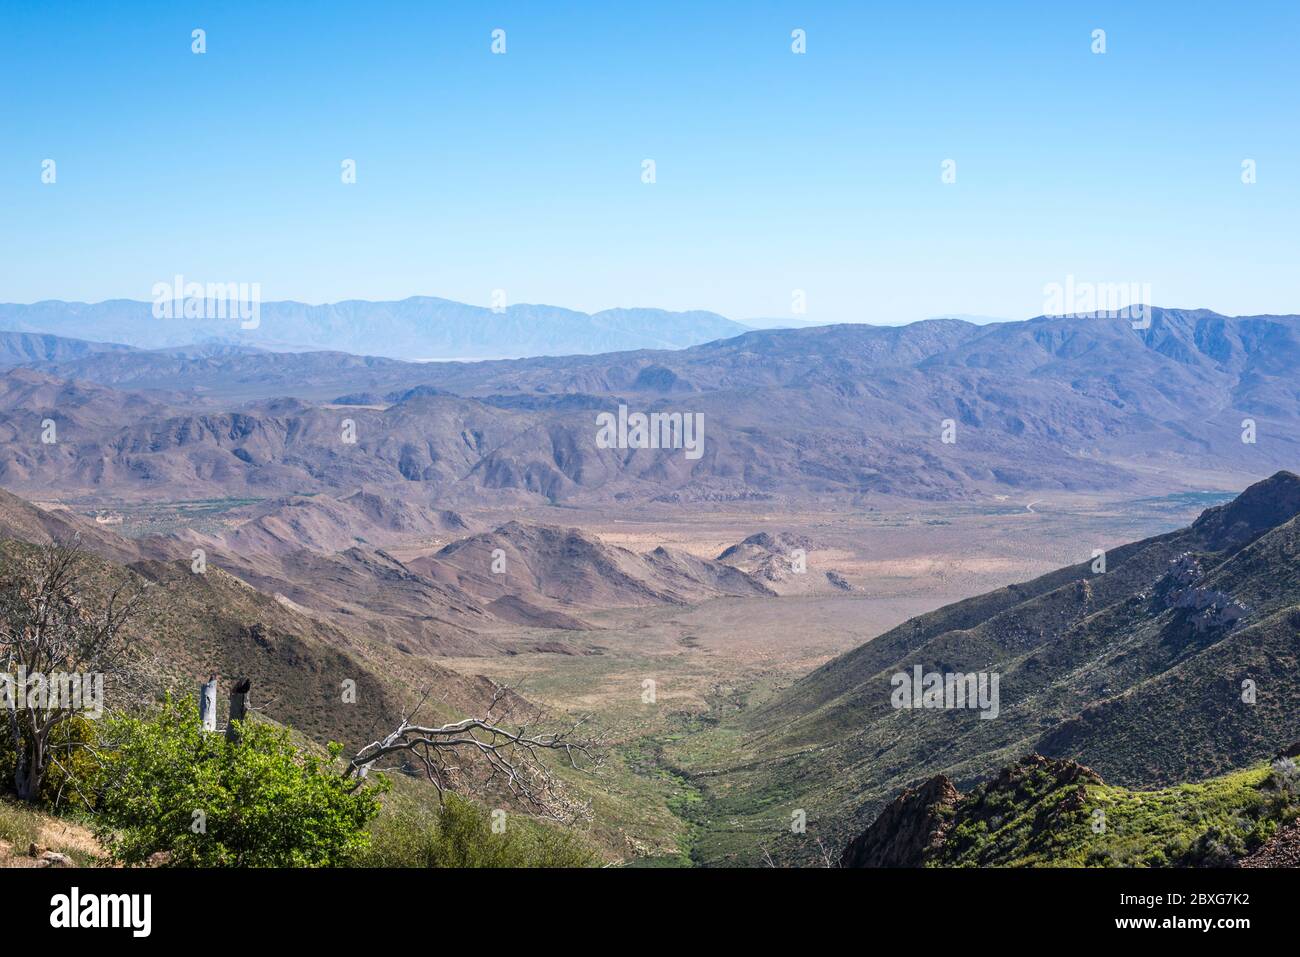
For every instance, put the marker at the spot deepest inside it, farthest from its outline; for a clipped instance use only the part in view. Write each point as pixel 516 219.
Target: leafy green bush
pixel 201 801
pixel 461 835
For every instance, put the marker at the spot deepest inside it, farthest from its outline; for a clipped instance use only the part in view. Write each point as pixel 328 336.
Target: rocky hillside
pixel 190 624
pixel 326 557
pixel 323 523
pixel 1047 812
pixel 19 348
pixel 1074 403
pixel 1177 662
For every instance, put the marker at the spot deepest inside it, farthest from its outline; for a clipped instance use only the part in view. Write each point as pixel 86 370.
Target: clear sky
pixel 775 171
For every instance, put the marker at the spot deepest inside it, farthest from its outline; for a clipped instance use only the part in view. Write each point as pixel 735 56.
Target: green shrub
pixel 201 801
pixel 461 835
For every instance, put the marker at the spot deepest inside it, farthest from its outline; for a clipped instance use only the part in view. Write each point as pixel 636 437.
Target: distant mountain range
pixel 1174 663
pixel 420 328
pixel 1078 403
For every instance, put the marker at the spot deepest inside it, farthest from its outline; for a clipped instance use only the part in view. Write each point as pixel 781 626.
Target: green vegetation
pixel 170 788
pixel 680 795
pixel 461 834
pixel 169 794
pixel 639 804
pixel 1035 824
pixel 18 824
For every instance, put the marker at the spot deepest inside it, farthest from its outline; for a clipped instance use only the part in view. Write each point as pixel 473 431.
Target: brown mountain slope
pixel 549 566
pixel 21 520
pixel 189 625
pixel 325 524
pixel 450 602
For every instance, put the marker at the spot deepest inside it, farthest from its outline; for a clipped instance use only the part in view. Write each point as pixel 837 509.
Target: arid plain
pixel 864 572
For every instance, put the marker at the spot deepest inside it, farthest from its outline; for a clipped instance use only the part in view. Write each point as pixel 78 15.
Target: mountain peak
pixel 1263 506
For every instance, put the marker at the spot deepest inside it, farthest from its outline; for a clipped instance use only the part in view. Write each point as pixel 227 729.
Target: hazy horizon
pixel 755 322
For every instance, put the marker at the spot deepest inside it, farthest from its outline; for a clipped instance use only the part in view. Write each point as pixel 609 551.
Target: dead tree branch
pixel 511 756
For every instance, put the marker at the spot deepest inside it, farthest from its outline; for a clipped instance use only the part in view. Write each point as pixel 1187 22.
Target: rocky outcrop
pixel 907 831
pixel 1212 611
pixel 920 826
pixel 1040 776
pixel 1184 571
pixel 1207 609
pixel 770 557
pixel 1280 850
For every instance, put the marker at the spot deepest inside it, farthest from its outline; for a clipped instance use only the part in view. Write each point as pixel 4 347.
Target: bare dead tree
pixel 510 755
pixel 54 636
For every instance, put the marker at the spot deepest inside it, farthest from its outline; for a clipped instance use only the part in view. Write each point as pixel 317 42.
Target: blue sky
pixel 775 171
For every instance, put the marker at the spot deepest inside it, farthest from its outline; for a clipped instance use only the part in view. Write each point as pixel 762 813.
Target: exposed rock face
pixel 1213 610
pixel 908 830
pixel 839 581
pixel 1185 571
pixel 1208 609
pixel 1280 850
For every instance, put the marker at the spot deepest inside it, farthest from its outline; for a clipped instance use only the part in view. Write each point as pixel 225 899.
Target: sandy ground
pixel 899 564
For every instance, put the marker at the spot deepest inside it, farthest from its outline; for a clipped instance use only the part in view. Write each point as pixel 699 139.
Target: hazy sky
pixel 775 171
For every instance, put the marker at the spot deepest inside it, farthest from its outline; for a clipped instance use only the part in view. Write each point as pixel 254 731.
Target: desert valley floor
pixel 867 570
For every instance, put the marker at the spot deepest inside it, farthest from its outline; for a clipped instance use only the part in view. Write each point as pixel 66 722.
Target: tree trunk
pixel 27 777
pixel 238 709
pixel 208 704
